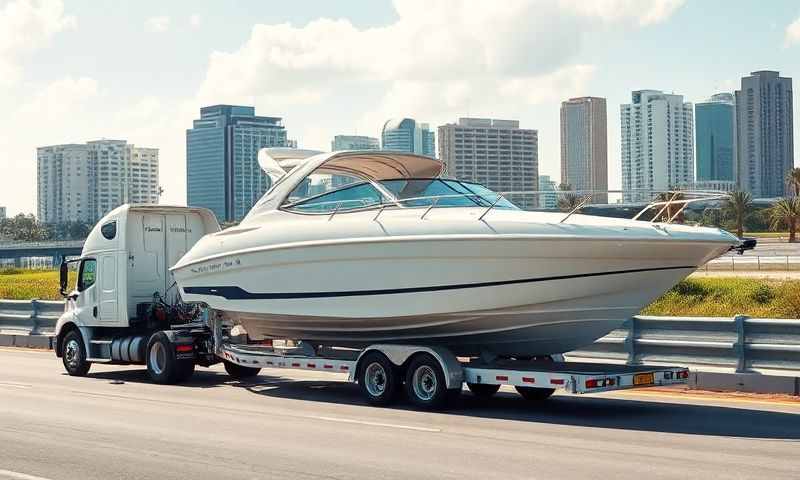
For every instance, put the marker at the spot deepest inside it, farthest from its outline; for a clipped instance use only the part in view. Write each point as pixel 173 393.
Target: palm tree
pixel 793 179
pixel 569 201
pixel 786 212
pixel 737 206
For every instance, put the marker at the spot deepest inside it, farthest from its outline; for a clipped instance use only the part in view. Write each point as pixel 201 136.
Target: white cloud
pixel 195 20
pixel 438 60
pixel 157 24
pixel 25 26
pixel 59 100
pixel 792 33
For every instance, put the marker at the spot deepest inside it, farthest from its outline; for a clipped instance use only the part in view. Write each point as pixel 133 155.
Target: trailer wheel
pixel 534 394
pixel 73 354
pixel 426 386
pixel 239 372
pixel 162 365
pixel 483 390
pixel 378 379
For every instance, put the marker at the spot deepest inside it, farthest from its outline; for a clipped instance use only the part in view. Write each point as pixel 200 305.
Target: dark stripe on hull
pixel 237 293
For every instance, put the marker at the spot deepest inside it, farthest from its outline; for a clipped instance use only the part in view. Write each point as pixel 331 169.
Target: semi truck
pixel 124 308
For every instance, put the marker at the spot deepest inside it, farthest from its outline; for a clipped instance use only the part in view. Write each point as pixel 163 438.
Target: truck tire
pixel 239 372
pixel 426 385
pixel 482 390
pixel 378 379
pixel 162 365
pixel 73 354
pixel 533 394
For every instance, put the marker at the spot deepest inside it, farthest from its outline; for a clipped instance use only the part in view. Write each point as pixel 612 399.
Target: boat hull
pixel 502 295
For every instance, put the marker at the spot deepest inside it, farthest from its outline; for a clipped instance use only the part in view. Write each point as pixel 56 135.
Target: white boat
pixel 404 255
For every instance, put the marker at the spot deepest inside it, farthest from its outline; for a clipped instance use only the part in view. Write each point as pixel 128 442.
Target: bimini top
pixel 370 165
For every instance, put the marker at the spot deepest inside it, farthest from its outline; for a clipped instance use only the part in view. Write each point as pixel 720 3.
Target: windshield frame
pixel 392 201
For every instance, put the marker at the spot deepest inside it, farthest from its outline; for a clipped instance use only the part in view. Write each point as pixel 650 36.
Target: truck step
pixel 100 342
pixel 98 360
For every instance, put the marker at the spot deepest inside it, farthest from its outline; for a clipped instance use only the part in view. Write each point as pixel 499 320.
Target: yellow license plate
pixel 643 379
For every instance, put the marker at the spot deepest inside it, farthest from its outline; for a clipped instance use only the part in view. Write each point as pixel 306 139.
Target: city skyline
pixel 156 75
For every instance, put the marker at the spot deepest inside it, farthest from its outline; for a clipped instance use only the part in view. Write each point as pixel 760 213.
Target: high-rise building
pixel 2 213
pixel 547 200
pixel 715 138
pixel 495 153
pixel 354 142
pixel 222 171
pixel 657 144
pixel 765 136
pixel 406 135
pixel 584 146
pixel 83 182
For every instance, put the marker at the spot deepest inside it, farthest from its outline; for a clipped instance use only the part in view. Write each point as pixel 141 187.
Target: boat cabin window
pixel 333 194
pixel 443 193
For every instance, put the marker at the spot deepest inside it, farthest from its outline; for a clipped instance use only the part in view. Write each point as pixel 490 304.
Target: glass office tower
pixel 406 135
pixel 715 138
pixel 222 171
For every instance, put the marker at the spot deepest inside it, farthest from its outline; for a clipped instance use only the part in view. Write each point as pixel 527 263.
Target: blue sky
pixel 84 69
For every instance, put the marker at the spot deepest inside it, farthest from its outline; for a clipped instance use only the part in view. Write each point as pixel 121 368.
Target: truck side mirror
pixel 63 278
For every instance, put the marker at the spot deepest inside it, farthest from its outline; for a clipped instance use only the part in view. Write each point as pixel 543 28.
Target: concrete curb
pixel 26 341
pixel 744 382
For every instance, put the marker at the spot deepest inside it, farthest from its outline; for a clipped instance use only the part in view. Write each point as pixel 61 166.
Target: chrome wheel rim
pixel 72 353
pixel 375 379
pixel 424 383
pixel 158 358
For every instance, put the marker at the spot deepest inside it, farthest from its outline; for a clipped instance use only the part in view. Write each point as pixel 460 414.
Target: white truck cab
pixel 124 265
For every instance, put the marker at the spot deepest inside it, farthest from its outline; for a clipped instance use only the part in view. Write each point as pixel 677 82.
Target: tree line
pixel 26 228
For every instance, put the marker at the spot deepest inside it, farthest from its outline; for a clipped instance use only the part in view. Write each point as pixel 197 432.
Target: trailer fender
pixel 399 355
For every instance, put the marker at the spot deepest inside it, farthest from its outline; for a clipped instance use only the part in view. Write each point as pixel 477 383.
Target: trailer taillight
pixel 184 348
pixel 600 382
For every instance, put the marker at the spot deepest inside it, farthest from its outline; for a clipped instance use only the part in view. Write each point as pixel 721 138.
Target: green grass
pixel 766 234
pixel 701 297
pixel 16 284
pixel 726 297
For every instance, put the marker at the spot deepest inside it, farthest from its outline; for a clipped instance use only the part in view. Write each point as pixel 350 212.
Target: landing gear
pixel 74 354
pixel 378 379
pixel 163 366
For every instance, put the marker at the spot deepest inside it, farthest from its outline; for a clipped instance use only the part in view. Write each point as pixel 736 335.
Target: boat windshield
pixel 406 193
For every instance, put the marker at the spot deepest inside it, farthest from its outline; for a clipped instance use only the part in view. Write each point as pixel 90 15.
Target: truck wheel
pixel 162 365
pixel 483 390
pixel 534 394
pixel 73 354
pixel 426 386
pixel 239 372
pixel 378 379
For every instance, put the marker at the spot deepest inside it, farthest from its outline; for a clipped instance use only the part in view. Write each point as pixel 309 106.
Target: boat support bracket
pixel 399 354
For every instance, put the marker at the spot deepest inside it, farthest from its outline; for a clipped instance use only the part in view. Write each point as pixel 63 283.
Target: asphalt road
pixel 297 425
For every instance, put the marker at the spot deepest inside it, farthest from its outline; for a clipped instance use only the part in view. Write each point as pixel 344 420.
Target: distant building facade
pixel 222 171
pixel 495 153
pixel 2 213
pixel 407 135
pixel 765 133
pixel 547 200
pixel 83 182
pixel 715 138
pixel 354 142
pixel 711 185
pixel 657 143
pixel 584 146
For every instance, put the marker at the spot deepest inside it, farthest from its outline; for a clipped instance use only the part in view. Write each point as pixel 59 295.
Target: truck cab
pixel 123 267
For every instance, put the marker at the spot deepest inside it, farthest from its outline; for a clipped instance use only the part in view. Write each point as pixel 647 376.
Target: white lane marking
pixel 15 385
pixel 374 424
pixel 19 476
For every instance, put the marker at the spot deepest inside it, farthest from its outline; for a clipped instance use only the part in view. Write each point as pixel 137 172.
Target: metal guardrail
pixel 29 317
pixel 730 263
pixel 741 343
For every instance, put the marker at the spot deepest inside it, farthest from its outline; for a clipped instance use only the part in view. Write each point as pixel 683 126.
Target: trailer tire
pixel 426 385
pixel 162 365
pixel 483 391
pixel 378 379
pixel 239 372
pixel 534 394
pixel 73 354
